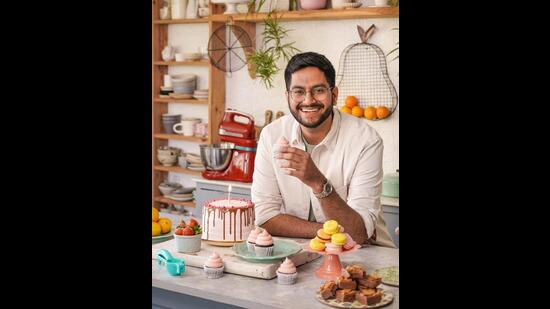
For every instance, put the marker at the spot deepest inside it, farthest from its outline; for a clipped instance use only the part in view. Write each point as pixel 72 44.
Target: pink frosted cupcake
pixel 213 267
pixel 350 243
pixel 251 241
pixel 264 244
pixel 286 273
pixel 331 248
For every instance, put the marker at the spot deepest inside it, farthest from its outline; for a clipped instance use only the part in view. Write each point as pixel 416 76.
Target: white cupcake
pixel 286 273
pixel 213 267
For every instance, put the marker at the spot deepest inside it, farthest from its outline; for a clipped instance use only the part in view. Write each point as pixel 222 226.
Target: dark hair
pixel 309 59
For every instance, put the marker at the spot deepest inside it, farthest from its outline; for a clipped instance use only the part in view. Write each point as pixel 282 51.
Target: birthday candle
pixel 228 194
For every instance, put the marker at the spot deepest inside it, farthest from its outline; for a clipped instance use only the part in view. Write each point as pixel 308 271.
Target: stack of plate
pixel 184 84
pixel 192 56
pixel 182 194
pixel 194 162
pixel 201 94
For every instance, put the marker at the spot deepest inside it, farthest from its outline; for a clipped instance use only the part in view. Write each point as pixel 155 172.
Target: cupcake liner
pixel 283 278
pixel 250 246
pixel 263 251
pixel 213 273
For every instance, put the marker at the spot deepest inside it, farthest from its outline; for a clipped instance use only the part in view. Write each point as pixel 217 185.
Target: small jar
pixel 178 9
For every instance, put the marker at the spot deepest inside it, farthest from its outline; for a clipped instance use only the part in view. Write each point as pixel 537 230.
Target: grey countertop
pixel 260 293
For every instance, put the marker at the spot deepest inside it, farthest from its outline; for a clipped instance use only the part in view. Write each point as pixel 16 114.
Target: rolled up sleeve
pixel 265 192
pixel 366 185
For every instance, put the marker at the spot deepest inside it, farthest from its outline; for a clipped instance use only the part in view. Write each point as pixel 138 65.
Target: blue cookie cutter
pixel 174 266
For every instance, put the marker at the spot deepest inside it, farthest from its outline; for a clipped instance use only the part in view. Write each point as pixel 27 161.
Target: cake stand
pixel 331 268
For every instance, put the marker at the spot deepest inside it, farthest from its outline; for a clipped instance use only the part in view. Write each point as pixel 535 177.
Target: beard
pixel 310 124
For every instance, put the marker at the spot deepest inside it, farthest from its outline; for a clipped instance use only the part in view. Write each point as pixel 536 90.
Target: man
pixel 331 168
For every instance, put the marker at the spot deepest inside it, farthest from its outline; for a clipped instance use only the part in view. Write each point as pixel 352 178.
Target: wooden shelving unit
pixel 181 137
pixel 171 201
pixel 313 15
pixel 216 78
pixel 176 169
pixel 199 63
pixel 185 101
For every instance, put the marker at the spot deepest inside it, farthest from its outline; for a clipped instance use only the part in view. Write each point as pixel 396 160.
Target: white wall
pixel 329 38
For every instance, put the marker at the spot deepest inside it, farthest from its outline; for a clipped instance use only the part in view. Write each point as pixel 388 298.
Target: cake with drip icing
pixel 225 222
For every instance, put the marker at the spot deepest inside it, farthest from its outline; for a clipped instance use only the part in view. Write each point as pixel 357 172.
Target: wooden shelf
pixel 182 138
pixel 198 62
pixel 330 14
pixel 166 200
pixel 177 169
pixel 182 21
pixel 187 101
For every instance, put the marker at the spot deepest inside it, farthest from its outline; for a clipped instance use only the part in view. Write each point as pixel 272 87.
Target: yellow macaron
pixel 338 239
pixel 330 227
pixel 316 244
pixel 322 236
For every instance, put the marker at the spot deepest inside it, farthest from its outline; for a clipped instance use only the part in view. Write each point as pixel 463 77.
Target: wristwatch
pixel 327 190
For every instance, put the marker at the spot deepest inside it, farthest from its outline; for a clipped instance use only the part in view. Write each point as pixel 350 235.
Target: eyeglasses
pixel 319 93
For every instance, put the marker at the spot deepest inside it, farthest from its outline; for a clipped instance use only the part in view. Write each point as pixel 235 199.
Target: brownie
pixel 328 289
pixel 371 281
pixel 367 291
pixel 345 295
pixel 346 283
pixel 355 271
pixel 368 299
pixel 374 299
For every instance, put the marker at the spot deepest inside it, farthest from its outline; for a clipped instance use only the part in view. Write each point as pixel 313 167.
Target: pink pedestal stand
pixel 331 267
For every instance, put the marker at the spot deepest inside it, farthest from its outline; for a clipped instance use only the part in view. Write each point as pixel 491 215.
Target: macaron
pixel 338 239
pixel 324 237
pixel 330 227
pixel 350 243
pixel 316 244
pixel 333 249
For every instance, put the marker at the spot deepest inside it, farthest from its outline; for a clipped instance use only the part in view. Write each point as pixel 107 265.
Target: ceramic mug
pixel 201 129
pixel 187 126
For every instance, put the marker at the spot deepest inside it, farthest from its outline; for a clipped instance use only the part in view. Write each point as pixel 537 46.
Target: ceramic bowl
pixel 188 244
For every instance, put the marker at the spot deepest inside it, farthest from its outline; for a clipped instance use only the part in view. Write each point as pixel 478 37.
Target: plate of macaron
pixel 332 239
pixel 260 247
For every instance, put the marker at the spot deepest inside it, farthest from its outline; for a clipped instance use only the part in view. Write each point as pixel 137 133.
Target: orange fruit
pixel 382 112
pixel 370 112
pixel 357 111
pixel 351 101
pixel 345 109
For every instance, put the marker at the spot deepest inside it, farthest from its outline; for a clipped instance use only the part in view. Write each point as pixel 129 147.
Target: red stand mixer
pixel 233 158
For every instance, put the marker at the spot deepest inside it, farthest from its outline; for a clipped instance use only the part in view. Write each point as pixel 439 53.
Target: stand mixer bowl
pixel 216 157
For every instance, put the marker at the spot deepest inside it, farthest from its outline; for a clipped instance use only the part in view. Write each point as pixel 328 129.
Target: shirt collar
pixel 329 141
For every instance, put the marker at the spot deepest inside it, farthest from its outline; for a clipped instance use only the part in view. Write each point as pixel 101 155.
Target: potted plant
pixel 264 60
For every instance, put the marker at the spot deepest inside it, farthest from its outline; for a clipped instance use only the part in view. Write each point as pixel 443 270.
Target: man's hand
pixel 301 166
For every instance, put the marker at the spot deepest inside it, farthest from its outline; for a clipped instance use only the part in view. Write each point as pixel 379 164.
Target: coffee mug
pixel 187 126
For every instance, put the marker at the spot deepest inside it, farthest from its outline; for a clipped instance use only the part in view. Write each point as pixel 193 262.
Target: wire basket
pixel 363 73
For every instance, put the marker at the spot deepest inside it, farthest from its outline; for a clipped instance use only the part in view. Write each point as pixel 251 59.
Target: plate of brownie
pixel 354 289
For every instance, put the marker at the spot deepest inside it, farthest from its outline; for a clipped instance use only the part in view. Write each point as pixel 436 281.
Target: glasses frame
pixel 289 92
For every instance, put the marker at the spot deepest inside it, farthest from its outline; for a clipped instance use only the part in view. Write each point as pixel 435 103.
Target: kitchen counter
pixel 194 289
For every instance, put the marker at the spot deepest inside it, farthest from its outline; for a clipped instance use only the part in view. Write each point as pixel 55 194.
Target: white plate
pixel 200 98
pixel 196 168
pixel 179 199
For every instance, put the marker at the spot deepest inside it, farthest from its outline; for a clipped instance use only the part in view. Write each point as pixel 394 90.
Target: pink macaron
pixel 350 243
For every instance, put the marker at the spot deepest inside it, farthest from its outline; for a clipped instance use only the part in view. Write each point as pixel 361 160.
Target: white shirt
pixel 350 156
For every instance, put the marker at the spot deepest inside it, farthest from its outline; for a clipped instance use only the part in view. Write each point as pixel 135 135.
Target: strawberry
pixel 181 224
pixel 187 231
pixel 193 222
pixel 197 229
pixel 179 230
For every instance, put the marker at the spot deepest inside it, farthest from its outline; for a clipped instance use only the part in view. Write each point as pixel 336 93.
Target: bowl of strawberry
pixel 188 236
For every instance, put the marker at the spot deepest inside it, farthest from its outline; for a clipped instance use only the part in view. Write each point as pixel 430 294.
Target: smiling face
pixel 310 112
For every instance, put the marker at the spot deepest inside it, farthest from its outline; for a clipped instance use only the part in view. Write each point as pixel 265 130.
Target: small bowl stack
pixel 201 94
pixel 168 187
pixel 168 122
pixel 194 162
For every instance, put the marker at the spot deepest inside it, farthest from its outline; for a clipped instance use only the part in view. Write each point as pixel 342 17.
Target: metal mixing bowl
pixel 216 157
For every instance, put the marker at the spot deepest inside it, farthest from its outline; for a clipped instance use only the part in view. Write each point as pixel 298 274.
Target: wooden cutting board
pixel 234 264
